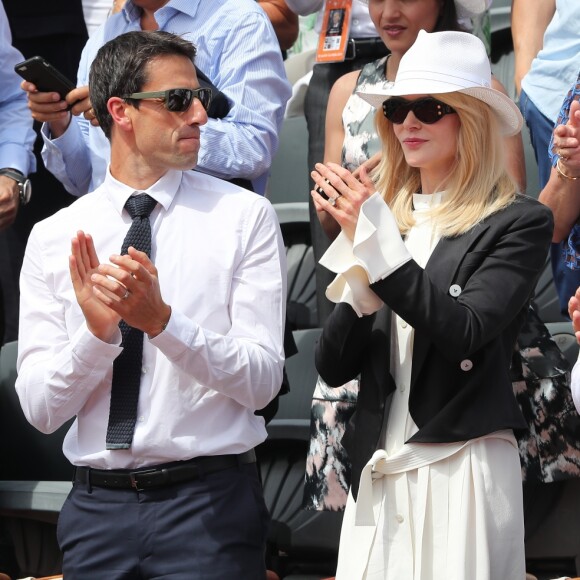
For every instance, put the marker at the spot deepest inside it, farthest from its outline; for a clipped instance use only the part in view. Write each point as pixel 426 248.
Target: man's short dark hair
pixel 120 65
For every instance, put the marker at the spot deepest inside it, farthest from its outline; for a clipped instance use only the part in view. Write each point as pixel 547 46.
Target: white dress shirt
pixel 221 264
pixel 237 49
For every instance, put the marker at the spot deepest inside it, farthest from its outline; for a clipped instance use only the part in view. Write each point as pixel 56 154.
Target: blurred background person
pixel 238 52
pixel 17 162
pixel 56 31
pixel 284 21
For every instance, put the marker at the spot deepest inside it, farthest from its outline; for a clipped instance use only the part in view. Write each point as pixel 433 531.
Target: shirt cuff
pixel 91 351
pixel 377 251
pixel 68 150
pixel 17 157
pixel 178 336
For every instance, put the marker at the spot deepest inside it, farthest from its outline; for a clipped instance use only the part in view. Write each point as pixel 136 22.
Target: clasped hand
pixel 345 192
pixel 127 288
pixel 567 142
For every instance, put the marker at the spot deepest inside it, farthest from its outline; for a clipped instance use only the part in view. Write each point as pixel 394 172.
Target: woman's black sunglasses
pixel 427 109
pixel 176 100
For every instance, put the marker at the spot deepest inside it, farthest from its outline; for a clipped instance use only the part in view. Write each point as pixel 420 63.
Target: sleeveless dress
pixel 327 479
pixel 361 141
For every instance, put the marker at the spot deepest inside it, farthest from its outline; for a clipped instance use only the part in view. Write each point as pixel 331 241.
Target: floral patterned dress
pixel 358 118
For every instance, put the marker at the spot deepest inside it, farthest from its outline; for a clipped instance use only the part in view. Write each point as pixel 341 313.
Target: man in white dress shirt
pixel 182 498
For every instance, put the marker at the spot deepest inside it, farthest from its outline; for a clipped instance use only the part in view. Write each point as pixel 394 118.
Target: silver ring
pixel 332 200
pixel 126 295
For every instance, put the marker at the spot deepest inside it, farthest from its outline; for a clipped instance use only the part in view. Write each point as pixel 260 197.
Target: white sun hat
pixel 447 62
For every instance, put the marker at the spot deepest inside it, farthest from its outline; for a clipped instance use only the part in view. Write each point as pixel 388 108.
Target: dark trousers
pixel 323 77
pixel 207 529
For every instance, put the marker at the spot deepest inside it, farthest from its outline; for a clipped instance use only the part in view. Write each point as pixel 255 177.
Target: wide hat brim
pixel 509 116
pixel 447 62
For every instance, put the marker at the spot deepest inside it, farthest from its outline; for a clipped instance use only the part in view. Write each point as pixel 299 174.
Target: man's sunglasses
pixel 176 100
pixel 427 109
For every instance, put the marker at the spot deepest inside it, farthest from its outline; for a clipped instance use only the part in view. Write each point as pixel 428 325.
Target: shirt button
pixel 141 419
pixel 400 518
pixel 403 324
pixel 466 365
pixel 402 388
pixel 355 21
pixel 455 290
pixel 144 370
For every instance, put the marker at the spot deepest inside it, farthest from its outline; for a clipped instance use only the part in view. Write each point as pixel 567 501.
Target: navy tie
pixel 127 366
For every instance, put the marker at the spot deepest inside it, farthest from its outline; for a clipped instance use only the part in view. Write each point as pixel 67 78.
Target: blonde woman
pixel 435 266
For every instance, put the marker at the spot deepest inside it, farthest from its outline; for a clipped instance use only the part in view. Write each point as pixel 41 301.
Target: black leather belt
pixel 161 475
pixel 365 47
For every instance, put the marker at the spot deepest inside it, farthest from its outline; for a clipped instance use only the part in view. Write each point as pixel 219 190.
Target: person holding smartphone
pixel 238 51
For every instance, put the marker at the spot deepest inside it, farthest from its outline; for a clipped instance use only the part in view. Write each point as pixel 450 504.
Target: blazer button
pixel 455 290
pixel 466 365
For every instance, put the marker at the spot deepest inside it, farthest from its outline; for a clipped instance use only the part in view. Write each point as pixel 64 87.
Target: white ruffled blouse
pixel 389 532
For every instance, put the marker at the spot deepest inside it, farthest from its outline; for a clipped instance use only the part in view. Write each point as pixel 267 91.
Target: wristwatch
pixel 24 186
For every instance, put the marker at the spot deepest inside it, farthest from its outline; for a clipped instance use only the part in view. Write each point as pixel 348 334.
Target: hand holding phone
pixel 44 76
pixel 47 80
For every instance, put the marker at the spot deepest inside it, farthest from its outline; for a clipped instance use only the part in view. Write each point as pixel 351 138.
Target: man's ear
pixel 117 108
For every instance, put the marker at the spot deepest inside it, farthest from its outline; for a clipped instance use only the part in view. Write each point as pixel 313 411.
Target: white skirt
pixel 459 518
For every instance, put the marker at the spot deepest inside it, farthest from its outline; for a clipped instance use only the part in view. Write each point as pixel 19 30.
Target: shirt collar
pixel 427 201
pixel 189 7
pixel 163 191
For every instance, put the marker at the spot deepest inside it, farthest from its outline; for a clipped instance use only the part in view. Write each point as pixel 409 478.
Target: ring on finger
pixel 332 200
pixel 127 294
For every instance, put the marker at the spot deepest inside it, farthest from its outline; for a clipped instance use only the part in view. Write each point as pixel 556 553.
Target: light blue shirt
pixel 238 50
pixel 556 66
pixel 16 133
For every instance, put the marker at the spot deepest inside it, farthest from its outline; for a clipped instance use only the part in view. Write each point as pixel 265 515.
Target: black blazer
pixel 467 307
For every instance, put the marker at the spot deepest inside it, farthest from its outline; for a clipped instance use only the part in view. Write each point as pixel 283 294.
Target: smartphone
pixel 47 78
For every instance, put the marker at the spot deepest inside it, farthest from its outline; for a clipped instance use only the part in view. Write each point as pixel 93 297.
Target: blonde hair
pixel 478 184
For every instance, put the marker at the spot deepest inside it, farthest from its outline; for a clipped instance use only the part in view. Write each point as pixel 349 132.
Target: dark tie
pixel 127 366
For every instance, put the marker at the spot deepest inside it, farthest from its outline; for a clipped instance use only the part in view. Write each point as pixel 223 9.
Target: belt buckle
pixel 133 475
pixel 350 43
